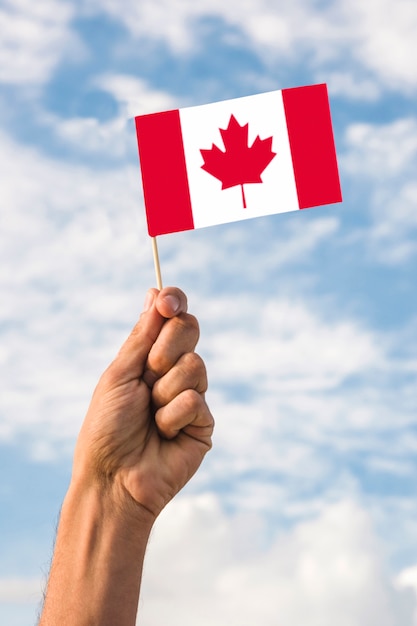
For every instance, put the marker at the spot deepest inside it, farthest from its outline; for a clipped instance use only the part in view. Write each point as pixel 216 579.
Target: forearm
pixel 96 571
pixel 145 434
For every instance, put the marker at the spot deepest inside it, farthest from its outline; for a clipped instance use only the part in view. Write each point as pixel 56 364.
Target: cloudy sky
pixel 305 511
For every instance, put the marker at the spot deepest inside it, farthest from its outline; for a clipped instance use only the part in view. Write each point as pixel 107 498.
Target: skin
pixel 145 434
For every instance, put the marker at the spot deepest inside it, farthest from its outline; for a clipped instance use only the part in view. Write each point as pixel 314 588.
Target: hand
pixel 148 426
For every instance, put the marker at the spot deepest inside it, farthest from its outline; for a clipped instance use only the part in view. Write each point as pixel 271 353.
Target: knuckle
pixel 195 370
pixel 193 361
pixel 164 424
pixel 187 322
pixel 193 404
pixel 191 401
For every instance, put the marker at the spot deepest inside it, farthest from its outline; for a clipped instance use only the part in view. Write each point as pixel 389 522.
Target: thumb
pixel 131 361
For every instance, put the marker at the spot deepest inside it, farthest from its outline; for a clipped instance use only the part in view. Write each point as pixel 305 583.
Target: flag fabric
pixel 237 159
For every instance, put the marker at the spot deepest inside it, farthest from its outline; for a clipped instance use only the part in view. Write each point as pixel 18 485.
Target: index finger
pixel 131 360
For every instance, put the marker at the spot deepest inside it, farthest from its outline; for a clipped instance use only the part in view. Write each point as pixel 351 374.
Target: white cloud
pixel 378 37
pixel 116 137
pixel 35 36
pixel 203 566
pixel 386 156
pixel 381 150
pixel 383 38
pixel 70 262
pixel 113 139
pixel 134 95
pixel 20 590
pixel 407 579
pixel 351 86
pixel 290 349
pixel 292 245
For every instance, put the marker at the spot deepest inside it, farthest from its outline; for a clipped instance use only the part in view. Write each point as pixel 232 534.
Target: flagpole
pixel 156 263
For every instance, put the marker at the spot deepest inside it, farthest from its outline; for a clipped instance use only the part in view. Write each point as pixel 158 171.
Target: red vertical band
pixel 164 173
pixel 313 151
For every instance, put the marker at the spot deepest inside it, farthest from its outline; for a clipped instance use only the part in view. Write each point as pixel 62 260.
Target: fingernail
pixel 173 302
pixel 150 296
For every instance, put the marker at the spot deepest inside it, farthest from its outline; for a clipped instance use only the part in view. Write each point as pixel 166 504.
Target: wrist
pixel 114 498
pixel 109 509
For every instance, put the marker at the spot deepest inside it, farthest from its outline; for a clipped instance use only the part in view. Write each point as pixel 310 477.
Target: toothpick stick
pixel 156 263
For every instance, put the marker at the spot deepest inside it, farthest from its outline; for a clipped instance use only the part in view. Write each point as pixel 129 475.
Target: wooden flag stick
pixel 156 263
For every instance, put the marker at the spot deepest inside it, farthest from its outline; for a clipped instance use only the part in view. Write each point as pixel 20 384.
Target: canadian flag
pixel 237 159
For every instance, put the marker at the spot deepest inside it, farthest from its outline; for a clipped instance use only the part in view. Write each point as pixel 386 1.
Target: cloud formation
pixel 374 155
pixel 370 38
pixel 224 576
pixel 35 37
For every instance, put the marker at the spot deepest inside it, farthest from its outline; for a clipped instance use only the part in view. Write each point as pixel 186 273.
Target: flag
pixel 237 159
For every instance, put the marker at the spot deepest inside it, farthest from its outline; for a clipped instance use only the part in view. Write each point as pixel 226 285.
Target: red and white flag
pixel 237 159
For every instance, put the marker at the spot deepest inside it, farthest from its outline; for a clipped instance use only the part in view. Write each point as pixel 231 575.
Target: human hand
pixel 148 426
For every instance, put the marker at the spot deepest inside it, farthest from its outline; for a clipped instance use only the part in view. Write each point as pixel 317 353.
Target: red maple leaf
pixel 239 164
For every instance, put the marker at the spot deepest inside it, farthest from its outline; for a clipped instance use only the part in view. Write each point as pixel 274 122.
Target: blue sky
pixel 305 511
